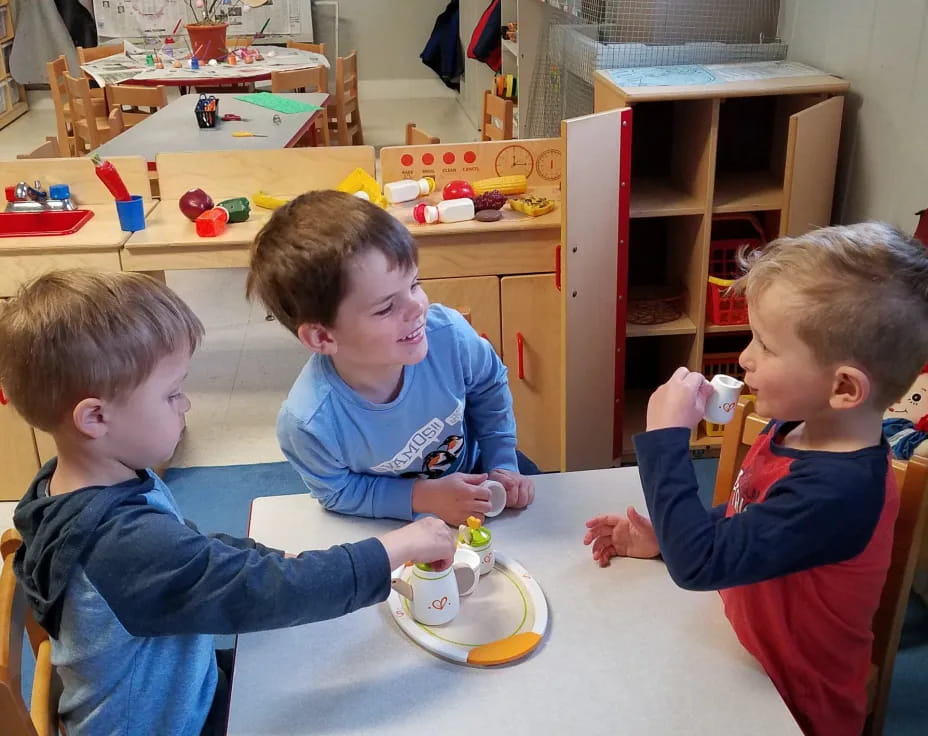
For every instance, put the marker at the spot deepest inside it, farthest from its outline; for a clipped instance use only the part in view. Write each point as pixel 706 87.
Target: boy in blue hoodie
pixel 129 592
pixel 403 409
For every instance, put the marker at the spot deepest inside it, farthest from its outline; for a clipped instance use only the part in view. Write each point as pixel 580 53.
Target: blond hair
pixel 863 291
pixel 70 335
pixel 300 257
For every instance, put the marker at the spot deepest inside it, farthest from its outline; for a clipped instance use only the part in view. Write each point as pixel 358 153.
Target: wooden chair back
pixel 344 113
pixel 418 137
pixel 40 717
pixel 135 101
pixel 93 53
pixel 912 480
pixel 497 118
pixel 299 80
pixel 317 48
pixel 57 70
pixel 90 130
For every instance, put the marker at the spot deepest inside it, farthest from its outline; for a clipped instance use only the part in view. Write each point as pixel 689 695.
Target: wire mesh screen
pixel 613 34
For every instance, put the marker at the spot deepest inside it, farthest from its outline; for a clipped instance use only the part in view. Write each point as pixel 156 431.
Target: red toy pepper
pixel 212 222
pixel 111 179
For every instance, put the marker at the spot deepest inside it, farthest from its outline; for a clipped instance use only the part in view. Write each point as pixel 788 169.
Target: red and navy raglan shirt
pixel 799 555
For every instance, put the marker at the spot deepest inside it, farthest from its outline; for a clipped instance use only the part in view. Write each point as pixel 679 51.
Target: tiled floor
pixel 246 365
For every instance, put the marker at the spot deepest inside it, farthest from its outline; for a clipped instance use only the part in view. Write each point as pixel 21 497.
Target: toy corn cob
pixel 532 206
pixel 515 184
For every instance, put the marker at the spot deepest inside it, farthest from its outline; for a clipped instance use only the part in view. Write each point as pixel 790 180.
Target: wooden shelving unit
pixel 766 147
pixel 12 94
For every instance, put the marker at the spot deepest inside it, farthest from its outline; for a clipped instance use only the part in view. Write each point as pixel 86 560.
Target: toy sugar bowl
pixel 479 539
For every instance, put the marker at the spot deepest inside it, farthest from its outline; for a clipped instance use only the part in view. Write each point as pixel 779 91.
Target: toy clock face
pixel 548 165
pixel 514 159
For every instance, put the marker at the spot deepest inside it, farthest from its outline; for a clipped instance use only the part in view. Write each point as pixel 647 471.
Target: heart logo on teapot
pixel 440 603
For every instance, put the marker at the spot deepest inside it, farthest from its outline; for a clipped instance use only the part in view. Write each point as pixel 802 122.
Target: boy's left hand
pixel 680 402
pixel 520 491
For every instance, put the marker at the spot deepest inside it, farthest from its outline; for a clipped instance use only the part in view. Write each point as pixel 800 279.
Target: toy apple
pixel 457 189
pixel 194 202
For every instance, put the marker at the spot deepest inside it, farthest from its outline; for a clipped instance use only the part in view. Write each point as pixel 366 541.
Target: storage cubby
pixel 649 362
pixel 670 173
pixel 765 147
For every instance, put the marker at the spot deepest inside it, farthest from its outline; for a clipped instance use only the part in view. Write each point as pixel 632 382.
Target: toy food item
pixel 492 200
pixel 457 189
pixel 488 216
pixel 514 184
pixel 266 201
pixel 532 206
pixel 212 222
pixel 450 210
pixel 360 181
pixel 239 208
pixel 194 202
pixel 406 190
pixel 111 179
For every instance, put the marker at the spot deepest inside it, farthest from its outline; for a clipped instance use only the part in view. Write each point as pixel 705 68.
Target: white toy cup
pixel 720 406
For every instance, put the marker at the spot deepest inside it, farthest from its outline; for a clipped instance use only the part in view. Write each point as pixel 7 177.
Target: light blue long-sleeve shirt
pixel 362 458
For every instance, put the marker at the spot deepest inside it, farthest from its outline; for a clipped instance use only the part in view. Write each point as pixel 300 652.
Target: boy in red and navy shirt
pixel 800 551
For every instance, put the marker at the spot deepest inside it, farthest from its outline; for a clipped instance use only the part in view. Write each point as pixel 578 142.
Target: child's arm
pixel 488 406
pixel 821 513
pixel 334 484
pixel 160 577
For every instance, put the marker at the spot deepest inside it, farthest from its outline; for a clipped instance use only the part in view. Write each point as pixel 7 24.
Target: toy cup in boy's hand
pixel 452 497
pixel 613 535
pixel 721 404
pixel 681 402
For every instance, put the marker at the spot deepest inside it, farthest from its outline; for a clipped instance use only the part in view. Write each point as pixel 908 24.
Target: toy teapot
pixel 436 595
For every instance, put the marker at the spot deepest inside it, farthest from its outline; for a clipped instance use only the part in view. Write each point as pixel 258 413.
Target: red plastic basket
pixel 723 265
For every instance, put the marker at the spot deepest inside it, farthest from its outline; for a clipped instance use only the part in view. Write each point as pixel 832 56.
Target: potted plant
pixel 208 31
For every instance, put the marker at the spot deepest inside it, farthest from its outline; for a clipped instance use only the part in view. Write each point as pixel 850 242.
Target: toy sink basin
pixel 46 222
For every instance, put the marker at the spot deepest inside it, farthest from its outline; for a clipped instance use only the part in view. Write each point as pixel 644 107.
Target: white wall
pixel 881 47
pixel 388 35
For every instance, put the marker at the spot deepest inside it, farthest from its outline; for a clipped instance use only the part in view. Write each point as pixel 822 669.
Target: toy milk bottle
pixel 449 210
pixel 480 539
pixel 407 190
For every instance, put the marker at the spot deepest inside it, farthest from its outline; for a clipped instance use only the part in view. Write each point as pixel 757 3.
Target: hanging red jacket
pixel 486 44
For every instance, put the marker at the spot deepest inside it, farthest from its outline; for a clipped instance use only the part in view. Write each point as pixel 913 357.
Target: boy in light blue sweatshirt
pixel 402 409
pixel 129 592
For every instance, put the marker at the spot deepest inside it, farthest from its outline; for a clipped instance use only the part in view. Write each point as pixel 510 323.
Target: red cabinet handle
pixel 520 344
pixel 557 267
pixel 3 399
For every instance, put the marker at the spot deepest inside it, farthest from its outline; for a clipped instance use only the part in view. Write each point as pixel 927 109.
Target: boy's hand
pixel 615 536
pixel 520 490
pixel 680 402
pixel 425 540
pixel 452 497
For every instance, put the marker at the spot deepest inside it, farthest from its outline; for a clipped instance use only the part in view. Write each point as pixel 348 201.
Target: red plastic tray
pixel 47 222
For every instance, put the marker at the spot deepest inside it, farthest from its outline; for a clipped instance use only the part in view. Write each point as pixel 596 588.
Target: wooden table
pixel 174 128
pixel 626 651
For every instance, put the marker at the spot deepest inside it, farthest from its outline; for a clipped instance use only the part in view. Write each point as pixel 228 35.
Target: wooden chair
pixel 40 717
pixel 304 80
pixel 93 53
pixel 136 102
pixel 497 118
pixel 317 48
pixel 418 137
pixel 56 71
pixel 90 130
pixel 49 149
pixel 912 479
pixel 343 114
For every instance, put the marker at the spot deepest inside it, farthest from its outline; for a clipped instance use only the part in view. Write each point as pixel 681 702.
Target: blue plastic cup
pixel 131 213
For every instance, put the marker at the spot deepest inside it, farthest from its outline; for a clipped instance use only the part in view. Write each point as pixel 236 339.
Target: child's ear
pixel 317 338
pixel 89 418
pixel 851 388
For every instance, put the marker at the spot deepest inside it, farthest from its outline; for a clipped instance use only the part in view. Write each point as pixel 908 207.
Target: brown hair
pixel 299 259
pixel 70 335
pixel 864 295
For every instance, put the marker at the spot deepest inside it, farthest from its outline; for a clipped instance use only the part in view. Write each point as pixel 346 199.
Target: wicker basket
pixel 654 305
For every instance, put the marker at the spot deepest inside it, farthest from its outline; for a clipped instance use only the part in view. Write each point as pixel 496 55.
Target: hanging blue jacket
pixel 442 53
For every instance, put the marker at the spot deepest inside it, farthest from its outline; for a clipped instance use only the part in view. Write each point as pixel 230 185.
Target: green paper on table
pixel 276 102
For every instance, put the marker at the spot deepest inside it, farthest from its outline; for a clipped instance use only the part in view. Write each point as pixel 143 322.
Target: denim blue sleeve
pixel 820 513
pixel 159 577
pixel 333 483
pixel 489 401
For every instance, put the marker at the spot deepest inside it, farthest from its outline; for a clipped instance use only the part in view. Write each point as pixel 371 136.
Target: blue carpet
pixel 218 499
